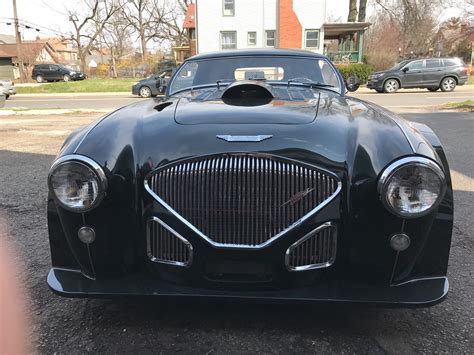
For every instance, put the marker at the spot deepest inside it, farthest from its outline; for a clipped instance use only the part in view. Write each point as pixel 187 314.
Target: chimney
pixel 289 29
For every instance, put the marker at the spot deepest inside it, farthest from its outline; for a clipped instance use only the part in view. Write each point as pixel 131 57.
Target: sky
pixel 50 16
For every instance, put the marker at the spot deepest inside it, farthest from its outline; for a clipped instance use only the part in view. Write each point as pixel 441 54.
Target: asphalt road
pixel 402 99
pixel 28 145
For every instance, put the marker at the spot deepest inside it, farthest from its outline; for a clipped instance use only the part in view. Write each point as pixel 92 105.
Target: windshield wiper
pixel 309 83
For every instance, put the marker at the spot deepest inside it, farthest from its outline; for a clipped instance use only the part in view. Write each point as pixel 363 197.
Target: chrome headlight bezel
pixel 395 167
pixel 93 167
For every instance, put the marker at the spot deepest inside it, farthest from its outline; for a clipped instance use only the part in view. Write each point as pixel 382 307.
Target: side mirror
pixel 162 84
pixel 405 69
pixel 352 83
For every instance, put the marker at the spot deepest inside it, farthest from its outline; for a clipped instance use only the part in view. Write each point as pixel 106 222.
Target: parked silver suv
pixel 7 88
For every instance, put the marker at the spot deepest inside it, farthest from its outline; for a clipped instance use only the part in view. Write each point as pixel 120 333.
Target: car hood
pixel 347 135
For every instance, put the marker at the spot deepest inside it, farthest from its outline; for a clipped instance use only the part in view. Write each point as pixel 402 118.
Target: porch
pixel 344 42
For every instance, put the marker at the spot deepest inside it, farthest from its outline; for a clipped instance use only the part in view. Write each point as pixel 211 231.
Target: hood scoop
pixel 247 93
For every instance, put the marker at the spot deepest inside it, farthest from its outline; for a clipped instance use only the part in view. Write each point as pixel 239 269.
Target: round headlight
pixel 412 187
pixel 78 183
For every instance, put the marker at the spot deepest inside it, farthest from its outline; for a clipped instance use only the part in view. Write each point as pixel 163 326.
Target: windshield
pixel 399 65
pixel 273 70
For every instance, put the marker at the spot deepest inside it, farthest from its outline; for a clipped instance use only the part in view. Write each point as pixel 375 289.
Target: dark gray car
pixel 153 85
pixel 428 73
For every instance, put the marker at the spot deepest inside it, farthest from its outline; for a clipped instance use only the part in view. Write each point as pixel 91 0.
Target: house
pixel 31 52
pixel 66 52
pixel 299 24
pixel 7 39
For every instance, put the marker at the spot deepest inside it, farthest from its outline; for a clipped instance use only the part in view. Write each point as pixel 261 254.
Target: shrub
pixel 362 71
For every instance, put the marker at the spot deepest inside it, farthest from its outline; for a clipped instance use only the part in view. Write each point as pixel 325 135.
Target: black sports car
pixel 254 178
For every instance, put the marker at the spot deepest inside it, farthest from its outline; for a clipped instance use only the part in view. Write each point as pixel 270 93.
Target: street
pixel 403 99
pixel 28 145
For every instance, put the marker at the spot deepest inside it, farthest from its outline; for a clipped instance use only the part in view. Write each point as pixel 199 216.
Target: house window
pixel 252 38
pixel 228 40
pixel 311 39
pixel 228 7
pixel 270 38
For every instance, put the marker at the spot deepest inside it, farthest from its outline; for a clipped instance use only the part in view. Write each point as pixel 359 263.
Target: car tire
pixel 391 86
pixel 7 96
pixel 39 79
pixel 448 84
pixel 144 91
pixel 433 89
pixel 66 78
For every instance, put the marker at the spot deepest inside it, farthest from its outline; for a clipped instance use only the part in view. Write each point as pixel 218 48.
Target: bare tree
pixel 90 24
pixel 158 21
pixel 352 11
pixel 362 10
pixel 415 20
pixel 117 38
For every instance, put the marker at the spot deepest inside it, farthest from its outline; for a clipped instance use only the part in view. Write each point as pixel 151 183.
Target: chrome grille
pixel 315 250
pixel 164 245
pixel 242 199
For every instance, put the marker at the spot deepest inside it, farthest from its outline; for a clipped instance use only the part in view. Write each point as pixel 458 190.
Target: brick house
pixel 299 24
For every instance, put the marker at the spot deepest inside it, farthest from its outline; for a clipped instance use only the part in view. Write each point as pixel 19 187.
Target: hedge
pixel 362 71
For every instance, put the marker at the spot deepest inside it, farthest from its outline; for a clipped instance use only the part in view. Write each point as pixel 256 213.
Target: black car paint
pixel 354 139
pixel 419 78
pixel 55 72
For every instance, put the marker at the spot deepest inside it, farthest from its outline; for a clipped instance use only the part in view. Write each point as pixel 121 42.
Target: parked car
pixel 55 72
pixel 153 85
pixel 7 87
pixel 429 73
pixel 256 177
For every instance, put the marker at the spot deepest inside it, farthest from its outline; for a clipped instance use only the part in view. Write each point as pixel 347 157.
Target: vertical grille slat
pixel 315 250
pixel 242 199
pixel 166 247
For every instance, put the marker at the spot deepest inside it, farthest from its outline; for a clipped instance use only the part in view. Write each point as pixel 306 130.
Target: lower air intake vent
pixel 314 251
pixel 164 245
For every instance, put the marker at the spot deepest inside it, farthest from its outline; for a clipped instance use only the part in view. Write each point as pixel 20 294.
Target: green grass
pixel 22 109
pixel 467 105
pixel 85 86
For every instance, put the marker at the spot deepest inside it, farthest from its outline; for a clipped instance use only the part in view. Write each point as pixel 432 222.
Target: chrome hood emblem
pixel 230 138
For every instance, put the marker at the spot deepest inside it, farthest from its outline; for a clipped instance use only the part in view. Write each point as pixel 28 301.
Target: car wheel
pixel 145 91
pixel 7 96
pixel 448 84
pixel 66 78
pixel 432 89
pixel 39 79
pixel 391 86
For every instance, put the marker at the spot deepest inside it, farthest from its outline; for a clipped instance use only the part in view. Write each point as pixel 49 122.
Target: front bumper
pixel 417 292
pixel 375 84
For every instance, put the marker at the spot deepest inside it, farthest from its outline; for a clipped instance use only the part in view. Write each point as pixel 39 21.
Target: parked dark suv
pixel 429 73
pixel 55 72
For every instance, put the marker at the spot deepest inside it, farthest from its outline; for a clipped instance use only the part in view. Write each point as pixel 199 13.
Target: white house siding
pixel 250 16
pixel 311 14
pixel 253 16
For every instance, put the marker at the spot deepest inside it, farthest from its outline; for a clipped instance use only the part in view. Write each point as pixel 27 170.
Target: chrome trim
pixel 231 138
pixel 240 246
pixel 306 237
pixel 90 164
pixel 389 171
pixel 177 235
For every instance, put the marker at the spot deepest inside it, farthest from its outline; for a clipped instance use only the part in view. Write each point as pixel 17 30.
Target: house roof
pixel 29 50
pixel 6 39
pixel 334 30
pixel 190 17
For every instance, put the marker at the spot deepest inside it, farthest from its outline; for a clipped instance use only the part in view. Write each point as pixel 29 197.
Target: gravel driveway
pixel 27 148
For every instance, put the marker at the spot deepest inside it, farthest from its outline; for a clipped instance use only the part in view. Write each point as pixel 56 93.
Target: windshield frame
pixel 341 91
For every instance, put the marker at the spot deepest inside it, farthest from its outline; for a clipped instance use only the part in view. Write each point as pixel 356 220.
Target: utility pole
pixel 18 41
